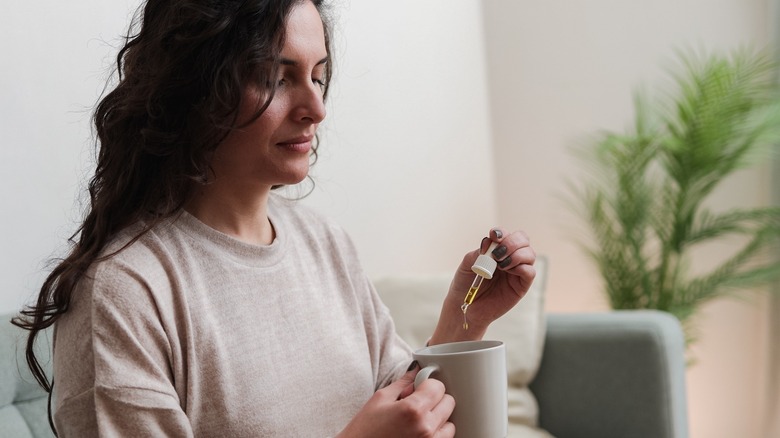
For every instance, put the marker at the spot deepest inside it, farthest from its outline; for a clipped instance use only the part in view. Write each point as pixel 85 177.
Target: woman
pixel 197 302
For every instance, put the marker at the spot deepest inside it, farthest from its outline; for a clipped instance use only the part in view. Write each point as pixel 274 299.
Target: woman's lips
pixel 299 144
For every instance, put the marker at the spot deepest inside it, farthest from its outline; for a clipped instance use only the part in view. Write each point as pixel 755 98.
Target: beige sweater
pixel 189 332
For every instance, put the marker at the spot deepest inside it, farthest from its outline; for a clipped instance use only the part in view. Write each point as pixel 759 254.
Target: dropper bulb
pixel 485 265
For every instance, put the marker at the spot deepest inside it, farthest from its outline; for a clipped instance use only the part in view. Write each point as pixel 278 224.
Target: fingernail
pixel 412 366
pixel 504 263
pixel 499 234
pixel 499 252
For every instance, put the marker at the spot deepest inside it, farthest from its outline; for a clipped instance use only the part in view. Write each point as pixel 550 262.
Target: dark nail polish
pixel 499 234
pixel 504 263
pixel 499 252
pixel 412 366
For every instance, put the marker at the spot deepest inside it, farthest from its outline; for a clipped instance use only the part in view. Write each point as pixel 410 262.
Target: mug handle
pixel 424 374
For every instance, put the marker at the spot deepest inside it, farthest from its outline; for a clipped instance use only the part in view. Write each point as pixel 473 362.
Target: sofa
pixel 582 375
pixel 23 404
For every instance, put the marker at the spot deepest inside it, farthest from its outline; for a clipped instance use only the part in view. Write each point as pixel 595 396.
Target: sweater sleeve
pixel 398 354
pixel 394 354
pixel 390 355
pixel 113 367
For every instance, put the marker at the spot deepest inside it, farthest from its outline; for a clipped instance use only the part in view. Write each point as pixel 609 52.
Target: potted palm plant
pixel 644 199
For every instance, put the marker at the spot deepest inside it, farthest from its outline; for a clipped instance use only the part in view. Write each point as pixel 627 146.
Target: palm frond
pixel 736 272
pixel 709 225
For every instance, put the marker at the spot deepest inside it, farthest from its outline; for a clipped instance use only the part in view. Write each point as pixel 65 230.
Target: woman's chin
pixel 295 176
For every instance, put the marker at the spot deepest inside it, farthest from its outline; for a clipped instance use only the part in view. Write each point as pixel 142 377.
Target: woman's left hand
pixel 511 280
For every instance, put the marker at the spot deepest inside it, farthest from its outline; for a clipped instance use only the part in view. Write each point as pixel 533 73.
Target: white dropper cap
pixel 485 265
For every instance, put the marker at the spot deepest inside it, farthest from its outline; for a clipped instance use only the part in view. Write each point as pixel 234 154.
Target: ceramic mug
pixel 474 374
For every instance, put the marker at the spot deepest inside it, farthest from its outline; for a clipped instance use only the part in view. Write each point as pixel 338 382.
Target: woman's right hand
pixel 400 410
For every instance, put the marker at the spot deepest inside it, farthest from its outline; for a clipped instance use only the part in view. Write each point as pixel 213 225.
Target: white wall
pixel 406 163
pixel 53 68
pixel 560 71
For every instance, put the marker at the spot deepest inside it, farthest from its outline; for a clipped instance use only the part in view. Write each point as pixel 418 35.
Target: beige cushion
pixel 415 303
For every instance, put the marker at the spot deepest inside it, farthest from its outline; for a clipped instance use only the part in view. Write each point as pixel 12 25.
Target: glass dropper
pixel 483 267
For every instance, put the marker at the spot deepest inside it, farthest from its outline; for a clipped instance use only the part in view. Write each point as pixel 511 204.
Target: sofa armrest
pixel 23 404
pixel 616 374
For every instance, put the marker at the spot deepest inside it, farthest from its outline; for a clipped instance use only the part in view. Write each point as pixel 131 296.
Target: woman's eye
pixel 319 82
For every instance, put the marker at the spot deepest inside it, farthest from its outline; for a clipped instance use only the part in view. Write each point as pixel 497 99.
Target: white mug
pixel 474 374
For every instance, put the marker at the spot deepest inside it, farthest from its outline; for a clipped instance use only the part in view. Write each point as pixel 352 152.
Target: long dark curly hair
pixel 181 75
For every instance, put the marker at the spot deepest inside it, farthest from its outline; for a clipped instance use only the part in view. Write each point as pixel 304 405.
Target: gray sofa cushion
pixel 23 403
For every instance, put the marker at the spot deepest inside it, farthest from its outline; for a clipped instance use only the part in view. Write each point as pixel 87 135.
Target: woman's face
pixel 274 149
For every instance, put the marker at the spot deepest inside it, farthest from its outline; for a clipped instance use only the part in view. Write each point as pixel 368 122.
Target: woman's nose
pixel 311 106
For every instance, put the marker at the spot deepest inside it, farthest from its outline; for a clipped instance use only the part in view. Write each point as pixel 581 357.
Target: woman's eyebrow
pixel 291 62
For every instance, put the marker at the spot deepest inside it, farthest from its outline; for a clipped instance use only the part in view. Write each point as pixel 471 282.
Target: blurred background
pixel 445 119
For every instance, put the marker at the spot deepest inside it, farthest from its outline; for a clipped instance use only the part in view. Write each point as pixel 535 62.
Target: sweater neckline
pixel 241 252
